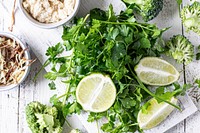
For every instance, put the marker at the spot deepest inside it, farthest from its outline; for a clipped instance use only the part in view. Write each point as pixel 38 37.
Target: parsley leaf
pixel 50 75
pixel 197 81
pixel 52 86
pixel 198 53
pixel 54 50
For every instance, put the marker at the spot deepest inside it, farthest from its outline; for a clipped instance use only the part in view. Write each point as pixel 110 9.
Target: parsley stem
pixel 66 94
pixel 68 123
pixel 152 94
pixel 141 85
pixel 62 96
pixel 80 26
pixel 97 126
pixel 126 23
pixel 64 102
pixel 47 62
pixel 135 124
pixel 85 19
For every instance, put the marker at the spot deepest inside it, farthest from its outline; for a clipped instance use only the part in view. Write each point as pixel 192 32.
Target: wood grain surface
pixel 13 102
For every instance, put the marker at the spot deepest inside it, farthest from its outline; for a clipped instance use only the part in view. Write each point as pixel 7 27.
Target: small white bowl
pixel 27 56
pixel 50 25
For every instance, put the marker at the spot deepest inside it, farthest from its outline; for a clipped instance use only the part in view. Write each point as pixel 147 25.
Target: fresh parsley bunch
pixel 111 44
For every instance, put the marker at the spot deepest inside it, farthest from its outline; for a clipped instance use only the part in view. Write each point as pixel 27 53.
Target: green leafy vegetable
pixel 190 16
pixel 110 44
pixel 52 85
pixel 145 107
pixel 197 81
pixel 181 49
pixel 42 118
pixel 54 51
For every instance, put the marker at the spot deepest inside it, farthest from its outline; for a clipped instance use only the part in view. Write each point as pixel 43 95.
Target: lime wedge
pixel 155 71
pixel 155 113
pixel 96 93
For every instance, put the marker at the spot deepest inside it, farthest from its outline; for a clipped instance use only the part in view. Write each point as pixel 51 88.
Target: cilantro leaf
pixel 50 75
pixel 52 86
pixel 181 90
pixel 145 107
pixel 128 102
pixel 160 90
pixel 145 43
pixel 54 50
pixel 108 127
pixel 98 14
pixel 197 81
pixel 96 116
pixel 71 108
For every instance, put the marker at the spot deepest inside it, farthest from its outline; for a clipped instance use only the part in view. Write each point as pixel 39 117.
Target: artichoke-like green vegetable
pixel 181 49
pixel 190 16
pixel 42 118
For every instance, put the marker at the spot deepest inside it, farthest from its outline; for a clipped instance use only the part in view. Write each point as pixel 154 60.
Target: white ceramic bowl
pixel 50 25
pixel 27 56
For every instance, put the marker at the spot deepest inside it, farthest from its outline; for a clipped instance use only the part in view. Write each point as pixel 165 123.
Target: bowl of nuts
pixel 14 61
pixel 49 13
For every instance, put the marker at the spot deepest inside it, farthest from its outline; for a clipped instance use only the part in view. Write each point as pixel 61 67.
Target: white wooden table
pixel 13 102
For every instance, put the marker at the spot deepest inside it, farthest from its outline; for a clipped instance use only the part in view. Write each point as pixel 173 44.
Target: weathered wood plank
pixel 169 17
pixel 9 110
pixel 39 40
pixel 9 100
pixel 192 73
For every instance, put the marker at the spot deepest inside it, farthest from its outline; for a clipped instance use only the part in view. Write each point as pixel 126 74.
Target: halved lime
pixel 155 71
pixel 96 92
pixel 155 113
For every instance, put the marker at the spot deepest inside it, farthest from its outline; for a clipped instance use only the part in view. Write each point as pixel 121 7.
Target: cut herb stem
pixel 68 123
pixel 135 124
pixel 62 96
pixel 126 23
pixel 47 62
pixel 97 126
